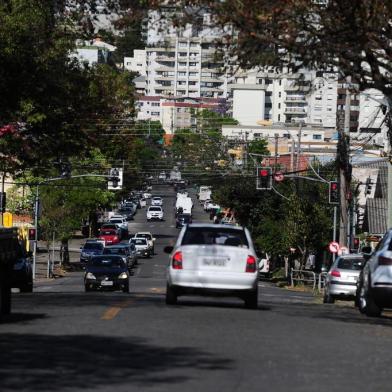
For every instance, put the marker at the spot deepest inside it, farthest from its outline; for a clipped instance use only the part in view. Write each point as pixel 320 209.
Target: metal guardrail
pixel 309 277
pixel 303 276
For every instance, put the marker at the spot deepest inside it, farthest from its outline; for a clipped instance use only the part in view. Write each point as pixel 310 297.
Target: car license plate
pixel 214 262
pixel 106 283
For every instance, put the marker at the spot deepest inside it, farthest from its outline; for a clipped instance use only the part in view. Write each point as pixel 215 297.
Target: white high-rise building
pixel 308 98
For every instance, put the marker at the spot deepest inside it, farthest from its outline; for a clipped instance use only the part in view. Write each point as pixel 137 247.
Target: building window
pixel 278 117
pixel 192 64
pixel 280 94
pixel 182 73
pixel 278 105
pixel 182 64
pixel 155 113
pixel 268 81
pixel 155 104
pixel 192 83
pixel 316 137
pixel 280 82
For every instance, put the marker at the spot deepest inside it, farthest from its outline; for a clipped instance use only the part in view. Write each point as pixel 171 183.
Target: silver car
pixel 213 259
pixel 341 281
pixel 375 283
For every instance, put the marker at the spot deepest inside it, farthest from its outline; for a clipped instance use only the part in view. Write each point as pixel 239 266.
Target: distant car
pixel 123 251
pixel 22 272
pixel 341 281
pixel 112 226
pixel 212 259
pixel 106 272
pixel 156 201
pixel 162 176
pixel 375 283
pixel 147 195
pixel 183 219
pixel 122 223
pixel 142 247
pixel 149 237
pixel 143 202
pixel 110 236
pixel 154 212
pixel 127 213
pixel 91 248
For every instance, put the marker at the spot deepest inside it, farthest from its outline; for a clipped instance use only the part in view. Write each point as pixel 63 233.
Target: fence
pixel 308 277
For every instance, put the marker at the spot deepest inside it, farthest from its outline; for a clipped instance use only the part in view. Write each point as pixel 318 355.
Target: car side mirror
pixel 168 249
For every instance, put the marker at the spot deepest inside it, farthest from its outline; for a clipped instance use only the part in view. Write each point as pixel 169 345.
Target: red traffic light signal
pixel 334 196
pixel 32 234
pixel 264 178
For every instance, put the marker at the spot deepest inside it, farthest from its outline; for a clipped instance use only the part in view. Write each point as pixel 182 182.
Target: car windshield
pixel 93 246
pixel 214 236
pixel 139 241
pixel 114 251
pixel 156 198
pixel 155 209
pixel 355 264
pixel 107 262
pixel 146 236
pixel 116 220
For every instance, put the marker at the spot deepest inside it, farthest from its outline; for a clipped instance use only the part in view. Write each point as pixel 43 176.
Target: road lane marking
pixel 159 290
pixel 112 312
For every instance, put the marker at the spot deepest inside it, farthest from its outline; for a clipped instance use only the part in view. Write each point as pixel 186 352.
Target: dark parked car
pixel 106 272
pixel 22 274
pixel 90 248
pixel 183 219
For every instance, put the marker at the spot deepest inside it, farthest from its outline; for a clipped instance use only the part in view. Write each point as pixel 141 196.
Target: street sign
pixel 333 247
pixel 278 176
pixel 7 219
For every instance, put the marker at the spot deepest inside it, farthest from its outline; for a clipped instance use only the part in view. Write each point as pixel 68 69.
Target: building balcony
pixel 165 58
pixel 289 110
pixel 211 79
pixel 164 78
pixel 164 68
pixel 296 87
pixel 295 99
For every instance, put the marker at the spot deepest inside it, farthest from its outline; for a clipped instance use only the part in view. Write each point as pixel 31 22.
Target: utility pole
pixel 297 162
pixel 276 150
pixel 292 154
pixel 344 168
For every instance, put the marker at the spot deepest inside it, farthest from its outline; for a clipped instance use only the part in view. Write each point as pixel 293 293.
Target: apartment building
pixel 308 98
pixel 136 63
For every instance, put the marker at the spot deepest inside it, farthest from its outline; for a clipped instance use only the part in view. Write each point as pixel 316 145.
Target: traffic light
pixel 264 178
pixel 356 243
pixel 334 192
pixel 3 201
pixel 32 233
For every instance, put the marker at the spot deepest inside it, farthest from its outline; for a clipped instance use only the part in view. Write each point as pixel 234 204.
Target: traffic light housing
pixel 264 178
pixel 334 196
pixel 32 231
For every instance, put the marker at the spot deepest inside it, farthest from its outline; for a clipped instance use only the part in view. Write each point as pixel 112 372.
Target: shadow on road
pixel 21 318
pixel 50 363
pixel 330 312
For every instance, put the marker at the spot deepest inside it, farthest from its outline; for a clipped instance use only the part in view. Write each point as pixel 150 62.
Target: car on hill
pixel 122 250
pixel 106 272
pixel 91 248
pixel 110 236
pixel 154 213
pixel 142 247
pixel 156 201
pixel 210 259
pixel 149 237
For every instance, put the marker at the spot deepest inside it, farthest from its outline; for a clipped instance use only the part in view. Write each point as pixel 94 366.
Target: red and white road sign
pixel 278 176
pixel 333 247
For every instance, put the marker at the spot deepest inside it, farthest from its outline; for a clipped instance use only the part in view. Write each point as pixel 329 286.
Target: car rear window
pixel 107 262
pixel 355 264
pixel 155 209
pixel 214 236
pixel 139 241
pixel 114 251
pixel 93 245
pixel 146 236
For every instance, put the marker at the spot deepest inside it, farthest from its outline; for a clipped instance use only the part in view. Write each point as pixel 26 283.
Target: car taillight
pixel 250 264
pixel 384 261
pixel 115 238
pixel 335 273
pixel 177 260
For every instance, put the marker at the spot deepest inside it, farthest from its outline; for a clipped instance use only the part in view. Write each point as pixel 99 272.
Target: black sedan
pixel 106 272
pixel 182 220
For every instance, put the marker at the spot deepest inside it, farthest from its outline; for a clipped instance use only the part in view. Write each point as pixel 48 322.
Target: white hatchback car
pixel 213 259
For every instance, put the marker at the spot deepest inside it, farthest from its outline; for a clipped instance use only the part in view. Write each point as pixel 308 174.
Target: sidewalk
pixel 41 271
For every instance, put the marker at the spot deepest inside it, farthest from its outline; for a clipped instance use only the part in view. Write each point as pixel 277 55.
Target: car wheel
pixel 126 289
pixel 366 303
pixel 328 298
pixel 27 288
pixel 171 296
pixel 251 299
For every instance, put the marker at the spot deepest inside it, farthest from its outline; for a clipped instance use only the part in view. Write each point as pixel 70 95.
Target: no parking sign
pixel 333 247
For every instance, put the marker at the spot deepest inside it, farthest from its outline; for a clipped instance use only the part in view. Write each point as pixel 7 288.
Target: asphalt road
pixel 60 338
